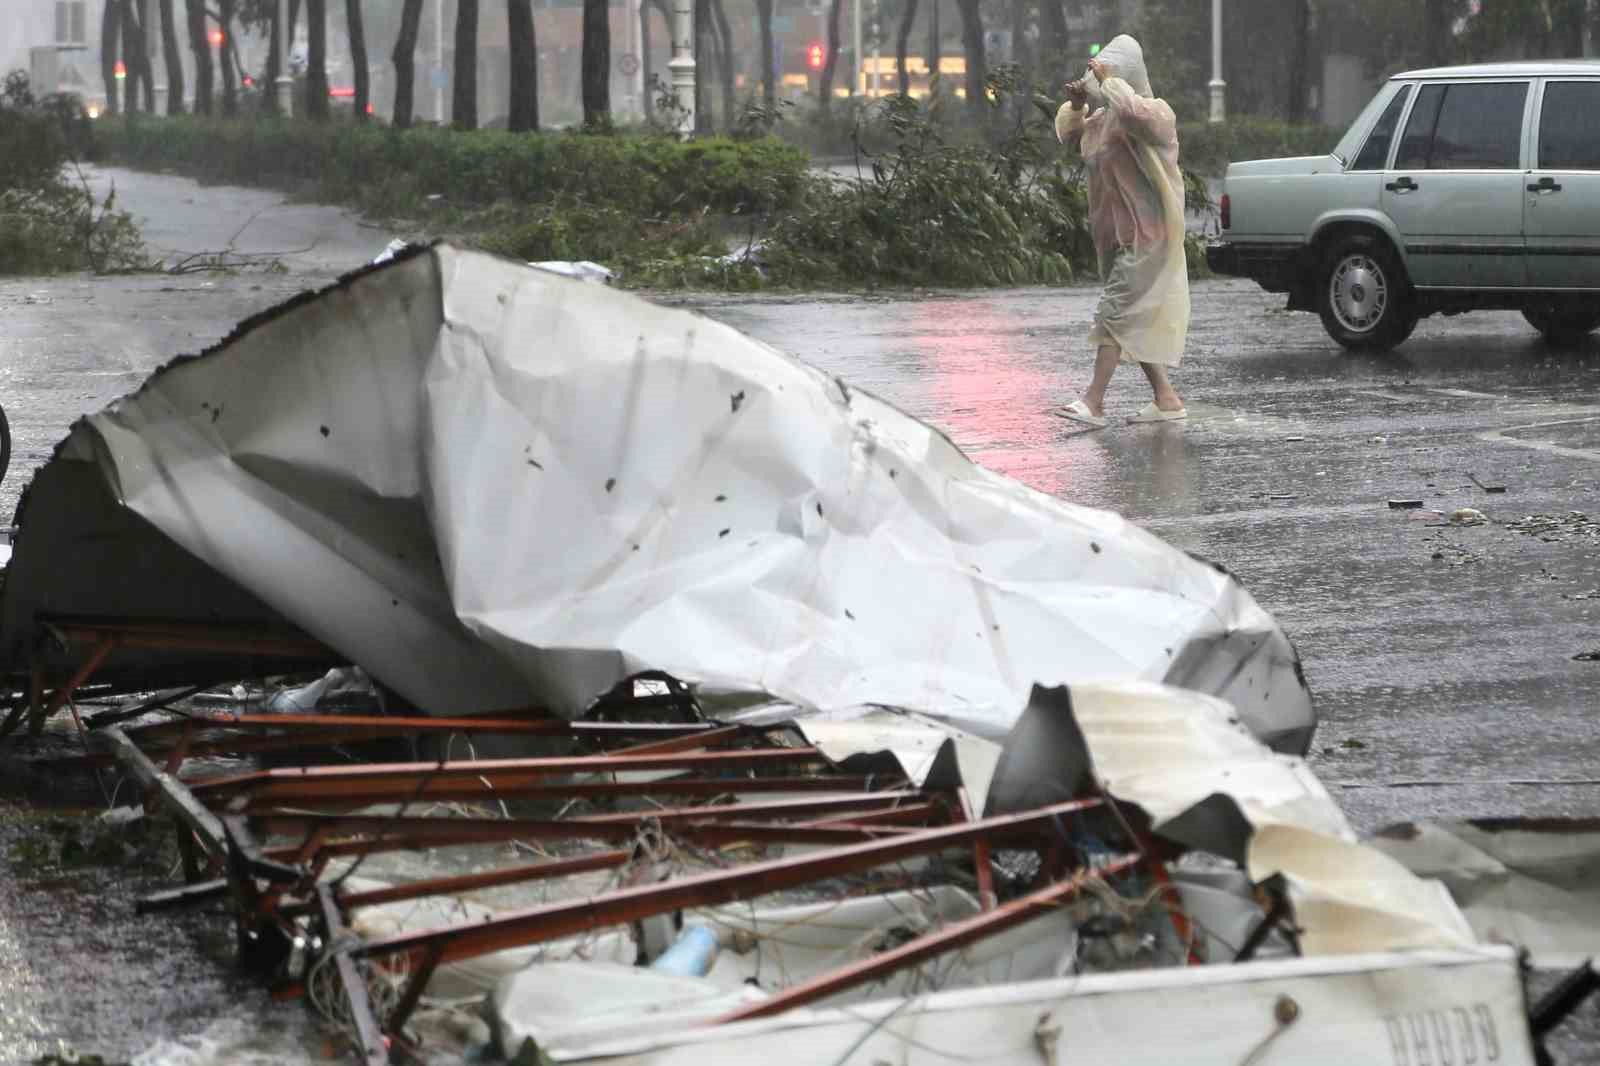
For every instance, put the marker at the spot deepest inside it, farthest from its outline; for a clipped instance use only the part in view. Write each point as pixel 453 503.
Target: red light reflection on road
pixel 992 387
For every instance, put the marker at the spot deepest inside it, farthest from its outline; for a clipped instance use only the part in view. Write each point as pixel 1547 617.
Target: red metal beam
pixel 333 779
pixel 497 786
pixel 950 938
pixel 711 738
pixel 381 833
pixel 219 640
pixel 449 886
pixel 532 722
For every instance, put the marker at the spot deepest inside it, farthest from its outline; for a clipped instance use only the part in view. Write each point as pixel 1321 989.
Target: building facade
pixel 55 42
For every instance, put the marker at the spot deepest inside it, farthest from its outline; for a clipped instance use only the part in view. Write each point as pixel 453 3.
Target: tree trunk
pixel 647 68
pixel 972 43
pixel 358 57
pixel 147 71
pixel 1020 102
pixel 131 39
pixel 935 45
pixel 769 73
pixel 1568 19
pixel 1435 33
pixel 200 45
pixel 725 62
pixel 831 63
pixel 317 60
pixel 1055 43
pixel 464 98
pixel 524 65
pixel 902 44
pixel 596 62
pixel 702 66
pixel 405 64
pixel 269 91
pixel 230 73
pixel 172 57
pixel 1299 60
pixel 110 49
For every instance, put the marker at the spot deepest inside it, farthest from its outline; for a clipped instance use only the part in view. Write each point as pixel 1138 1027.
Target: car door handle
pixel 1402 185
pixel 1544 185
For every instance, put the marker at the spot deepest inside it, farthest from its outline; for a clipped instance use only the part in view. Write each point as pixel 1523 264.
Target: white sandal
pixel 1078 411
pixel 1151 413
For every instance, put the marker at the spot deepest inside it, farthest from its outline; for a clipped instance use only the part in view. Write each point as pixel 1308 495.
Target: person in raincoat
pixel 1129 142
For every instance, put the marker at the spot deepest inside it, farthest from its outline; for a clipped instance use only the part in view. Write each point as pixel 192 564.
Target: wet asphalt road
pixel 1441 656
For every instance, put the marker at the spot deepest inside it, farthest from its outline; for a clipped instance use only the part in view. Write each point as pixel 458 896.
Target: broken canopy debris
pixel 493 487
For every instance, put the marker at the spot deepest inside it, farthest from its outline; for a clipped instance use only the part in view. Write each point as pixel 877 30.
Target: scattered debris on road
pixel 1556 528
pixel 1468 516
pixel 1493 490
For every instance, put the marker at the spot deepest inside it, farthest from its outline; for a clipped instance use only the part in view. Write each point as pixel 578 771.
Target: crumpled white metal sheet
pixel 1526 882
pixel 1404 1008
pixel 491 486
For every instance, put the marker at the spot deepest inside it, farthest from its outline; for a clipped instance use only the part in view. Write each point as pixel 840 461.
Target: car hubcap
pixel 1358 293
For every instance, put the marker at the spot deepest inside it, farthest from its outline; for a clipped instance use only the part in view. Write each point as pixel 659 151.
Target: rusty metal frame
pixel 861 824
pixel 428 950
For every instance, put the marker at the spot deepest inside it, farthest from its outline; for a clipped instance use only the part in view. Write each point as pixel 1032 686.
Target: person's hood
pixel 1126 60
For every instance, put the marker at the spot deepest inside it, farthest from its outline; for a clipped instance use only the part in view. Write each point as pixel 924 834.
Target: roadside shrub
pixel 933 212
pixel 1208 149
pixel 419 171
pixel 49 224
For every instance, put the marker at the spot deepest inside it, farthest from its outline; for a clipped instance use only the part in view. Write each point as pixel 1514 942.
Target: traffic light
pixel 216 38
pixel 120 71
pixel 814 55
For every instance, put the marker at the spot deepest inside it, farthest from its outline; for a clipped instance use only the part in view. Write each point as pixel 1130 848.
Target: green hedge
pixel 386 170
pixel 1208 149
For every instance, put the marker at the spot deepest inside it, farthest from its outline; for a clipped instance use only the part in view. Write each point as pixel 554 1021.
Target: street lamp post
pixel 1219 88
pixel 682 65
pixel 285 84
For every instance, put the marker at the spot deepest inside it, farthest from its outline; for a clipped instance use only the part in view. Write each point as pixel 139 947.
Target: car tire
pixel 1562 329
pixel 5 445
pixel 1363 294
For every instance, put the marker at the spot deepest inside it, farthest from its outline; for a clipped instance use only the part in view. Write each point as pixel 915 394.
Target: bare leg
pixel 1105 364
pixel 1167 398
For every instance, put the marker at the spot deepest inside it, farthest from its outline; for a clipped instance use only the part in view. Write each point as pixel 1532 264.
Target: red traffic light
pixel 216 38
pixel 814 55
pixel 120 71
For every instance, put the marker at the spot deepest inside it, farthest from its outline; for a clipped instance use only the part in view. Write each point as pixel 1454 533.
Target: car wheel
pixel 1562 328
pixel 1363 294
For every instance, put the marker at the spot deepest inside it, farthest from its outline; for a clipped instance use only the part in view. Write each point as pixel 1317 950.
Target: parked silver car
pixel 1458 189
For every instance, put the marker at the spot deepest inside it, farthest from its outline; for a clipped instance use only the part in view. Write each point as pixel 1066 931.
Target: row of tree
pixel 1269 44
pixel 1268 48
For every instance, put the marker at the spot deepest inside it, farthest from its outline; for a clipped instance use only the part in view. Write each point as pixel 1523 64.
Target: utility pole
pixel 285 84
pixel 682 65
pixel 1219 88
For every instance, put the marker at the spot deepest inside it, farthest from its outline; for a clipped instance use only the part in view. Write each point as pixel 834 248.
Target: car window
pixel 1375 153
pixel 1569 126
pixel 1465 127
pixel 1350 143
